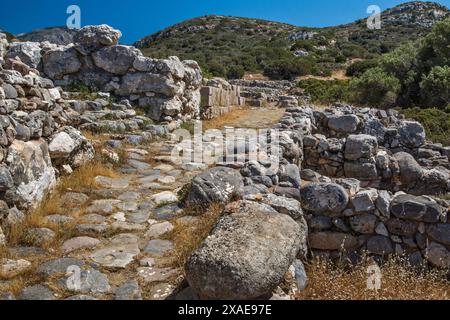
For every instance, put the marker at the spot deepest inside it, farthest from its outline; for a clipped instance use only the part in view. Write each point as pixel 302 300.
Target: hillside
pixel 228 46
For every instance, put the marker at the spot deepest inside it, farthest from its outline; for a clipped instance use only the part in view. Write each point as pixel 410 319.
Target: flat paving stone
pixel 78 243
pixel 149 275
pixel 58 266
pixel 104 206
pixel 159 229
pixel 165 197
pixel 37 292
pixel 113 183
pixel 158 248
pixel 129 196
pixel 116 255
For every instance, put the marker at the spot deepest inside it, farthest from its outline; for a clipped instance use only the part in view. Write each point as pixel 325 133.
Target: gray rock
pixel 438 255
pixel 78 243
pixel 247 254
pixel 364 200
pixel 332 241
pixel 32 171
pixel 360 146
pixel 320 223
pixel 28 52
pixel 410 171
pixel 61 61
pixel 6 180
pixel 412 134
pixel 158 248
pixel 383 203
pixel 137 83
pixel 39 236
pixel 361 170
pixel 364 224
pixel 344 124
pixel 324 198
pixel 290 173
pixel 58 266
pixel 116 255
pixel 402 227
pixel 130 290
pixel 440 233
pixel 301 279
pixel 419 208
pixel 37 292
pixel 217 185
pixel 115 59
pixel 380 245
pixel 91 38
pixel 282 205
pixel 90 281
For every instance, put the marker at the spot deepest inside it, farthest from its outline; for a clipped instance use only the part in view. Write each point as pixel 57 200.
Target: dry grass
pixel 399 282
pixel 188 236
pixel 81 180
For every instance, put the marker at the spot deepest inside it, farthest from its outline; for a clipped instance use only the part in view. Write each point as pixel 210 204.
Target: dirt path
pixel 253 118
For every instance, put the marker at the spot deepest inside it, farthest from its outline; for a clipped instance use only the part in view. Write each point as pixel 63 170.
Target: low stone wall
pixel 345 221
pixel 168 89
pixel 219 97
pixel 382 152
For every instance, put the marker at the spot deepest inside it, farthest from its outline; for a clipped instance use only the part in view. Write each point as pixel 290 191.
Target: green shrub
pixel 435 87
pixel 325 92
pixel 375 87
pixel 235 72
pixel 436 122
pixel 359 67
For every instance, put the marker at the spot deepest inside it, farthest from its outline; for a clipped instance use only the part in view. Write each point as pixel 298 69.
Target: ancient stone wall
pixel 378 148
pixel 168 89
pixel 219 97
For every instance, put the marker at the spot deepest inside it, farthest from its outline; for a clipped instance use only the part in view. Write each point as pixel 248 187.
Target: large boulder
pixel 411 134
pixel 137 83
pixel 419 208
pixel 116 59
pixel 69 146
pixel 360 146
pixel 92 38
pixel 217 185
pixel 410 171
pixel 324 198
pixel 57 35
pixel 246 255
pixel 61 61
pixel 28 52
pixel 32 171
pixel 344 124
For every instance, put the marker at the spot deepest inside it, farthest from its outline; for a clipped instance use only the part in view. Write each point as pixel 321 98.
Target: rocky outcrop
pixel 247 254
pixel 167 88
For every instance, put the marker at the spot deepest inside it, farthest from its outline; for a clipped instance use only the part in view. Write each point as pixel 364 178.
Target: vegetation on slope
pixel 230 46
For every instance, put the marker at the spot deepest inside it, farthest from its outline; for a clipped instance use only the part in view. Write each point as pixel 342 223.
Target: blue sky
pixel 138 18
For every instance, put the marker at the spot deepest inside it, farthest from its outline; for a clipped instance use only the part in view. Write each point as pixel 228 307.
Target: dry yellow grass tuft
pixel 398 282
pixel 81 180
pixel 188 236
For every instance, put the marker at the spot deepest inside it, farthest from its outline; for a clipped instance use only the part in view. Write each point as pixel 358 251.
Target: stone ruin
pixel 218 97
pixel 40 122
pixel 167 89
pixel 350 181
